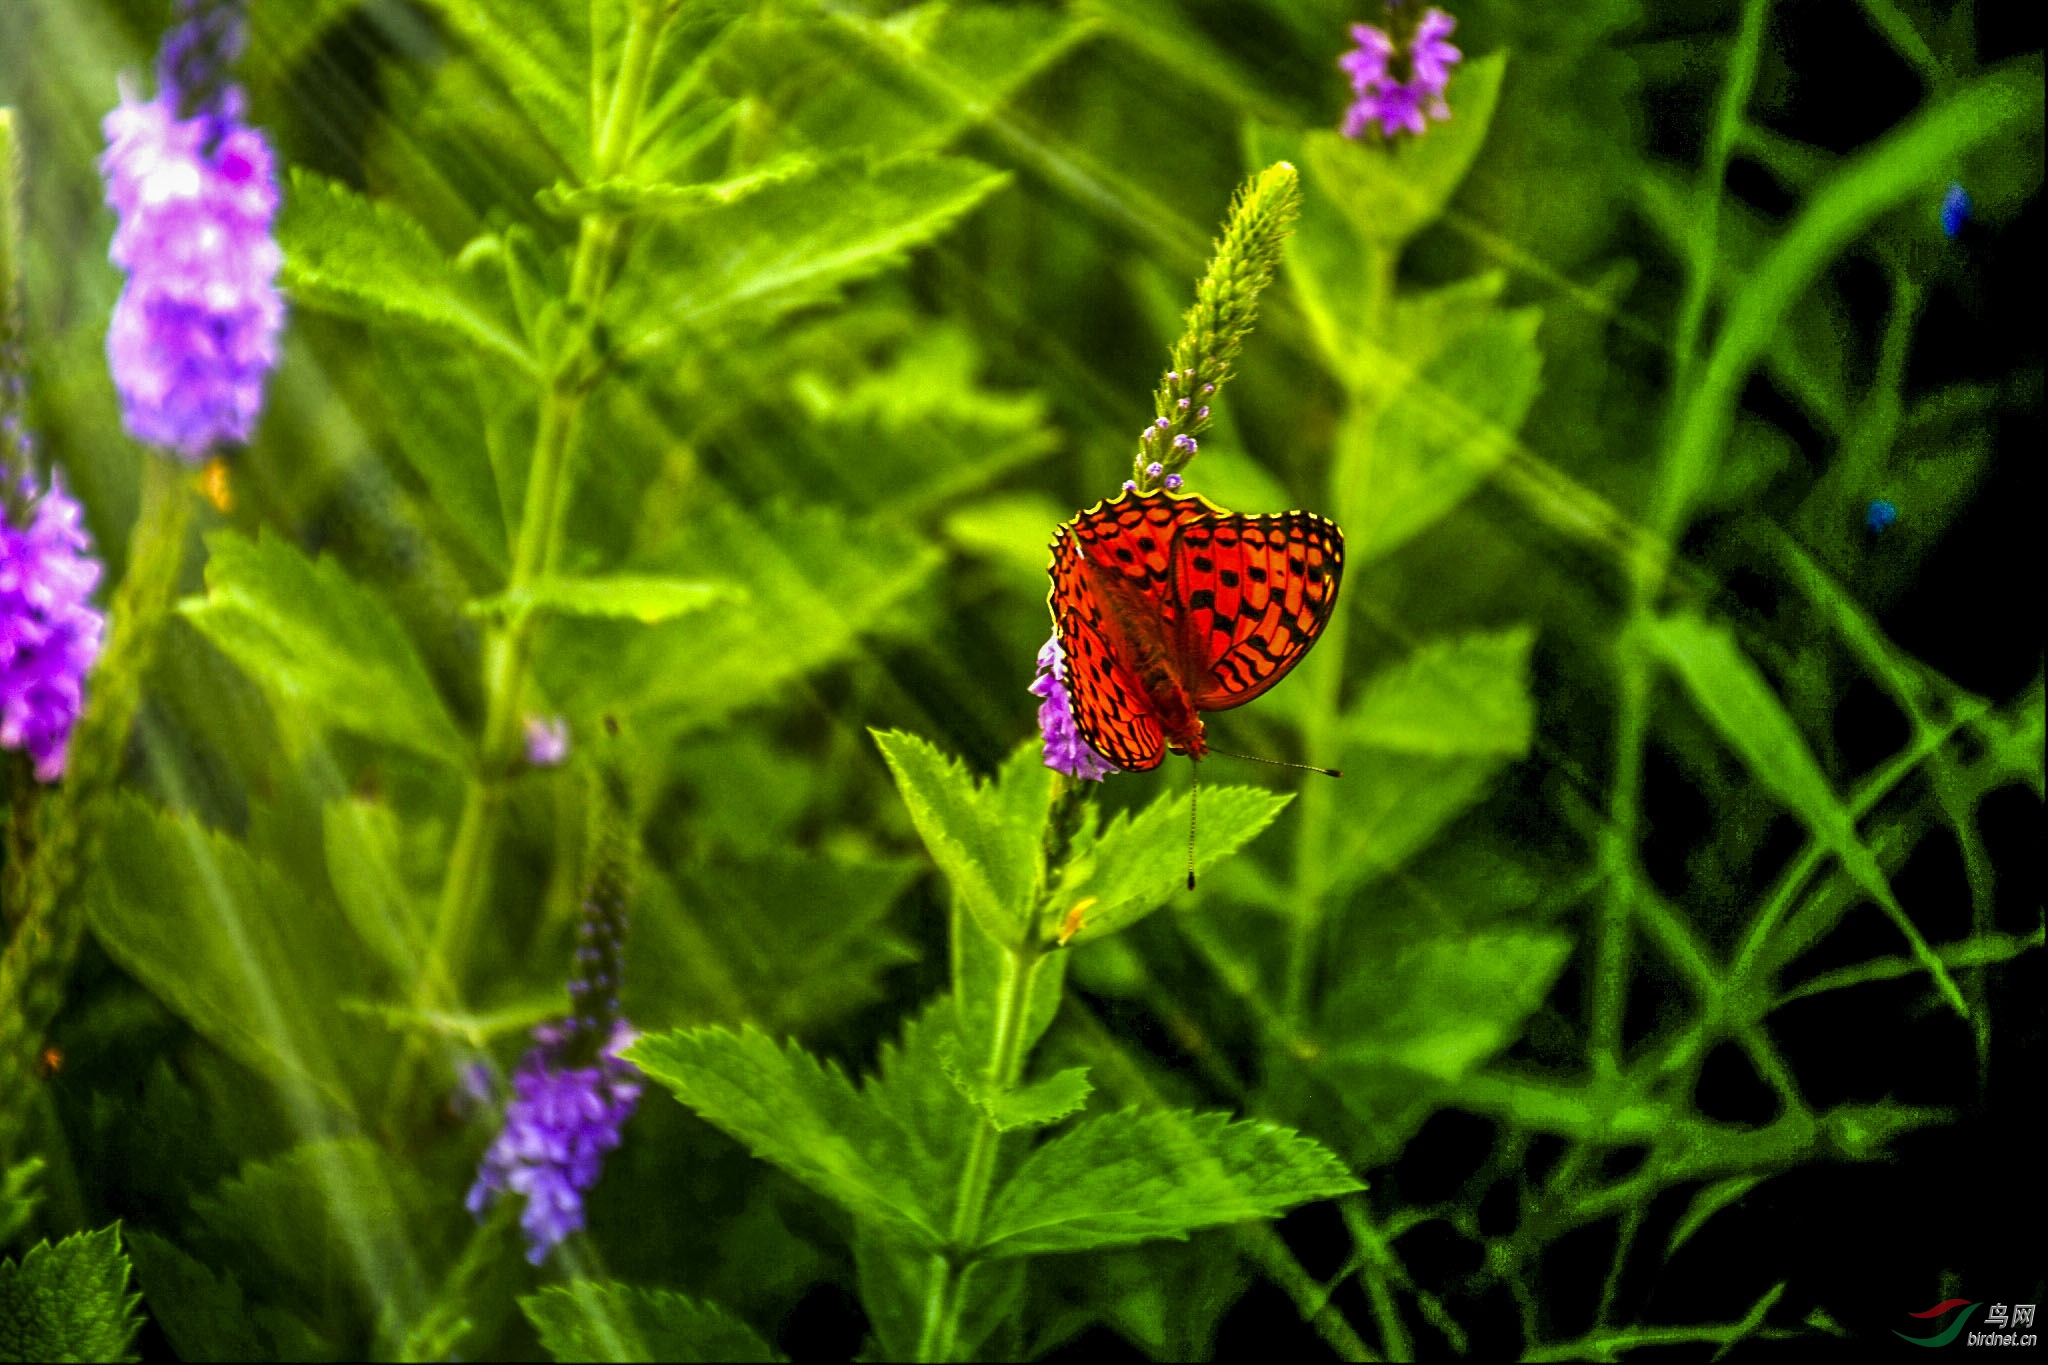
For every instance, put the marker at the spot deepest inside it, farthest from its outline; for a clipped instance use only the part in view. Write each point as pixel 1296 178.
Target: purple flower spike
pixel 1065 750
pixel 547 741
pixel 558 1127
pixel 1155 469
pixel 194 335
pixel 1185 444
pixel 1130 485
pixel 1400 106
pixel 50 632
pixel 1173 483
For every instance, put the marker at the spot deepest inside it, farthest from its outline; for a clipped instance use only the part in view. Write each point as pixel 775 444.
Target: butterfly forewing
pixel 1109 703
pixel 1255 592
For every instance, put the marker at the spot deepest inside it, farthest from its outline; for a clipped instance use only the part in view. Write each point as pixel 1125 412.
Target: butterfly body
pixel 1167 606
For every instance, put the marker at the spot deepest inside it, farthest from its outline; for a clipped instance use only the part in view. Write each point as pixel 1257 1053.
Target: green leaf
pixel 1438 1007
pixel 983 835
pixel 1391 192
pixel 635 597
pixel 362 841
pixel 237 950
pixel 334 1213
pixel 1140 860
pixel 1131 1177
pixel 1466 695
pixel 796 243
pixel 19 1197
pixel 1737 700
pixel 803 1116
pixel 814 582
pixel 783 939
pixel 1423 740
pixel 1419 1015
pixel 927 432
pixel 537 51
pixel 1707 1202
pixel 363 258
pixel 606 1320
pixel 911 79
pixel 203 1314
pixel 1037 1105
pixel 313 637
pixel 69 1301
pixel 1440 433
pixel 446 407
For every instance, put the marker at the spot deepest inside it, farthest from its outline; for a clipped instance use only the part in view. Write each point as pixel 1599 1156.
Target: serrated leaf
pixel 1737 700
pixel 987 848
pixel 802 1115
pixel 1132 1177
pixel 1140 860
pixel 237 950
pixel 313 637
pixel 1404 464
pixel 365 258
pixel 202 1313
pixel 608 1321
pixel 1392 192
pixel 1037 1105
pixel 796 243
pixel 69 1301
pixel 638 597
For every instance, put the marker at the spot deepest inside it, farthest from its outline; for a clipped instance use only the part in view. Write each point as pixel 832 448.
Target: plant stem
pixel 508 649
pixel 1008 1046
pixel 51 842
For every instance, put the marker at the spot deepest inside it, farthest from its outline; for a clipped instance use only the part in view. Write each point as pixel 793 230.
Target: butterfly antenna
pixel 1280 763
pixel 1194 796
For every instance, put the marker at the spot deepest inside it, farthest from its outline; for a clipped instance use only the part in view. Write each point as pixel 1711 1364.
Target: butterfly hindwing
pixel 1255 593
pixel 1109 704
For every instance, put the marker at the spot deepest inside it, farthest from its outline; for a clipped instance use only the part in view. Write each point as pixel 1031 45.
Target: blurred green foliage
pixel 732 430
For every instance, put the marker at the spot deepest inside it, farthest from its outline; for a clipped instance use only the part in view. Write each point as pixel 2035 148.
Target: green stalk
pixel 508 649
pixel 1007 1050
pixel 51 841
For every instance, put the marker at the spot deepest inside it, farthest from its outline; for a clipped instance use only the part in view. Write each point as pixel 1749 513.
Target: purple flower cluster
pixel 572 1093
pixel 195 332
pixel 50 632
pixel 558 1127
pixel 1398 106
pixel 1065 750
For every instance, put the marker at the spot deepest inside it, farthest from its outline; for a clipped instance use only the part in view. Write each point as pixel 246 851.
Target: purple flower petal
pixel 1065 750
pixel 50 632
